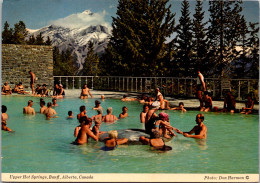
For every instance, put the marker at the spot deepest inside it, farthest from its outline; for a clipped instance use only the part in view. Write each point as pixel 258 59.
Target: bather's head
pixel 113 134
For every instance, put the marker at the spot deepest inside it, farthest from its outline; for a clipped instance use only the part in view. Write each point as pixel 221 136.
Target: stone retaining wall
pixel 18 60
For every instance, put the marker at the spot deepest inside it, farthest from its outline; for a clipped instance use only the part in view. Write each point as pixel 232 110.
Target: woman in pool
pixel 4 118
pixel 112 142
pixel 155 141
pixel 109 118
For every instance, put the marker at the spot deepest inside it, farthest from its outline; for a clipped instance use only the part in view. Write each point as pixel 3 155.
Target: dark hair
pixel 155 134
pixel 42 102
pixel 41 99
pixel 124 107
pixel 82 108
pixel 70 113
pixel 4 109
pixel 49 104
pixel 145 105
pixel 54 99
pixel 84 118
pixel 181 103
pixel 201 116
pixel 124 96
pixel 97 102
pixel 30 101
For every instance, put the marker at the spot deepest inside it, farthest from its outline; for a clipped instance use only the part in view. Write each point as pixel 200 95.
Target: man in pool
pixel 82 112
pixel 98 106
pixel 180 108
pixel 50 112
pixel 200 129
pixel 144 113
pixel 32 76
pixel 28 109
pixel 4 117
pixel 70 115
pixel 43 107
pixel 98 120
pixel 124 113
pixel 85 91
pixel 54 102
pixel 85 131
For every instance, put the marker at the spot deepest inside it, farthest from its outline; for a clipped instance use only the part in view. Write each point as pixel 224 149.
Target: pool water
pixel 44 146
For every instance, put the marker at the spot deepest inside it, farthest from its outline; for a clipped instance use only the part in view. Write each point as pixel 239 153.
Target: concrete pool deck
pixel 189 103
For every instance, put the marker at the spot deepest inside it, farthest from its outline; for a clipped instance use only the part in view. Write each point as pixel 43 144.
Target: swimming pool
pixel 40 145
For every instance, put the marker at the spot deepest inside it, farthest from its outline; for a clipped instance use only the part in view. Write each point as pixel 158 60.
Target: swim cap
pixel 156 104
pixel 163 116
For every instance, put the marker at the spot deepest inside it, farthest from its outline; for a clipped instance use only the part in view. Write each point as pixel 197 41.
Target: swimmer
pixel 155 141
pixel 32 76
pixel 85 132
pixel 180 108
pixel 126 99
pixel 54 102
pixel 98 106
pixel 102 97
pixel 163 126
pixel 4 118
pixel 49 112
pixel 200 129
pixel 144 113
pixel 249 105
pixel 84 92
pixel 112 142
pixel 207 103
pixel 124 113
pixel 70 115
pixel 143 99
pixel 28 109
pixel 151 117
pixel 43 107
pixel 109 118
pixel 98 120
pixel 6 90
pixel 82 112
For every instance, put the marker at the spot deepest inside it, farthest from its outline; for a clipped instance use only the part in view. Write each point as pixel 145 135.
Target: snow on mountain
pixel 77 38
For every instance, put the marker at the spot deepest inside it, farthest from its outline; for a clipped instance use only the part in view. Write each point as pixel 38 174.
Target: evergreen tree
pixel 91 64
pixel 223 34
pixel 137 45
pixel 48 41
pixel 20 33
pixel 184 42
pixel 7 34
pixel 200 40
pixel 31 40
pixel 39 40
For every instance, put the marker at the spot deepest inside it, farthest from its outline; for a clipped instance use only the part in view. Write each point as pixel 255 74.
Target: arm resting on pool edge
pixel 122 141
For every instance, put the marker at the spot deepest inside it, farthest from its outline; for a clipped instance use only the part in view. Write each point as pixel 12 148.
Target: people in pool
pixel 4 118
pixel 54 102
pixel 70 115
pixel 82 113
pixel 180 108
pixel 151 117
pixel 98 106
pixel 85 92
pixel 29 109
pixel 200 129
pixel 85 131
pixel 144 113
pixel 43 107
pixel 112 141
pixel 155 141
pixel 50 112
pixel 98 120
pixel 249 105
pixel 126 99
pixel 109 118
pixel 124 113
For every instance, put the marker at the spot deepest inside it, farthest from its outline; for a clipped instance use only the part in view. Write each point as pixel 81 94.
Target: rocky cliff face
pixel 76 39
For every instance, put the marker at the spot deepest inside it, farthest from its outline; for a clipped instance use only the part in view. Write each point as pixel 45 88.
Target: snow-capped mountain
pixel 76 38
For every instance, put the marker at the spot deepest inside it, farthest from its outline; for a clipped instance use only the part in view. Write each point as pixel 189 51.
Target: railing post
pixel 178 86
pixel 108 83
pixel 123 83
pixel 67 83
pixel 73 83
pixel 118 83
pixel 185 91
pixel 115 85
pixel 92 82
pixel 79 82
pixel 191 87
pixel 127 84
pixel 172 85
pixel 135 84
pixel 141 85
pixel 214 92
pixel 239 98
pixel 60 80
pixel 132 83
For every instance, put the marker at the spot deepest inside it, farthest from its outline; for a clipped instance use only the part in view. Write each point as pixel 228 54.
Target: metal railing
pixel 183 87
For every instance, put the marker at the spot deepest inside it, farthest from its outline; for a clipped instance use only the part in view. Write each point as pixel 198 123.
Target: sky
pixel 40 13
